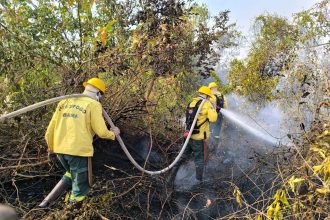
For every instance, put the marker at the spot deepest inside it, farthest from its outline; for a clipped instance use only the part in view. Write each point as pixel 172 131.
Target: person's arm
pixel 212 114
pixel 98 123
pixel 49 136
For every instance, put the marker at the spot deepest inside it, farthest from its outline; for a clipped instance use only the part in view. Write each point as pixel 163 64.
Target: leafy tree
pixel 151 53
pixel 268 56
pixel 280 49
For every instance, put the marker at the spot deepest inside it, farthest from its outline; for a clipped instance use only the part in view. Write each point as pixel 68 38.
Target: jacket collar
pixel 91 92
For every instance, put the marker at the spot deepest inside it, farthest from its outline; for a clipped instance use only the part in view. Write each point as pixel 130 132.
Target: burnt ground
pixel 120 191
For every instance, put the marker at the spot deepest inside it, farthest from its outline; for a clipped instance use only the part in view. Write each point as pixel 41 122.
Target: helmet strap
pixel 99 96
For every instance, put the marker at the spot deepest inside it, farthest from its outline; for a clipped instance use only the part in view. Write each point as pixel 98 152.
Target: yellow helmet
pixel 97 83
pixel 213 85
pixel 205 90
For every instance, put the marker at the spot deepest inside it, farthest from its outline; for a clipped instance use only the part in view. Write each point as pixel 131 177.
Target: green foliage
pixel 222 87
pixel 255 77
pixel 276 51
pixel 314 23
pixel 150 53
pixel 305 189
pixel 247 81
pixel 274 32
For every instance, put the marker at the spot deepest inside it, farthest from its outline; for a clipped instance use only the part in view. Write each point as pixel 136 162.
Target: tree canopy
pixel 151 53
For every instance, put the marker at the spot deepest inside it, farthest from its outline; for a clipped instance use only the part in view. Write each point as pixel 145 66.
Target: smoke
pixel 243 131
pixel 269 122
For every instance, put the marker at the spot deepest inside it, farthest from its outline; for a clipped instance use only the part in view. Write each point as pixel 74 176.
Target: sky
pixel 243 12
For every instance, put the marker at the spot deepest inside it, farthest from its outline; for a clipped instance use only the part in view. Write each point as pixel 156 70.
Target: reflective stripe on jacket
pixel 207 113
pixel 73 126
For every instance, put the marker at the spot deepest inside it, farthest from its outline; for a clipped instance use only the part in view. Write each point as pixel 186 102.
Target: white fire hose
pixel 108 119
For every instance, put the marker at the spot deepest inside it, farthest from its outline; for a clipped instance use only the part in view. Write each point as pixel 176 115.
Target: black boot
pixel 172 175
pixel 56 192
pixel 199 173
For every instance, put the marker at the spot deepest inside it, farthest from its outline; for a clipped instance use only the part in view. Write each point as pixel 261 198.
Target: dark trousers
pixel 76 174
pixel 197 148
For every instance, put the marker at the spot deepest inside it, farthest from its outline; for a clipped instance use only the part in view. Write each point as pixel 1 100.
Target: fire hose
pixel 108 119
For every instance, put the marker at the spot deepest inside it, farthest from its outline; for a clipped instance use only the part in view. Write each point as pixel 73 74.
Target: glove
pixel 115 130
pixel 217 109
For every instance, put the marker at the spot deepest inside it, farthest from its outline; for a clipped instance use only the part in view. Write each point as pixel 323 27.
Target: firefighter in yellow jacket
pixel 70 136
pixel 217 97
pixel 196 143
pixel 220 101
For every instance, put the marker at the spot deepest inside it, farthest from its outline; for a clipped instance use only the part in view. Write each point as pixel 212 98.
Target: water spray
pixel 232 116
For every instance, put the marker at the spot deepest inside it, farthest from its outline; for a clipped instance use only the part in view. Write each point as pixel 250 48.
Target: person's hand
pixel 217 109
pixel 115 130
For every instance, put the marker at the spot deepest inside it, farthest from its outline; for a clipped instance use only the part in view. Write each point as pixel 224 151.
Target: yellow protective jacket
pixel 207 113
pixel 213 99
pixel 73 126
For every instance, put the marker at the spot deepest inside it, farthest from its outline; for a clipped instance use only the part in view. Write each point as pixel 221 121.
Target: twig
pixel 184 211
pixel 23 166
